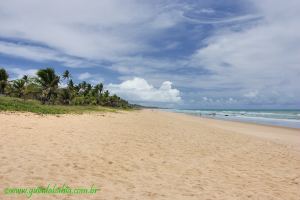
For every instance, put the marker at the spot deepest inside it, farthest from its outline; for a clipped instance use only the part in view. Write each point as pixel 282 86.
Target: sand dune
pixel 149 155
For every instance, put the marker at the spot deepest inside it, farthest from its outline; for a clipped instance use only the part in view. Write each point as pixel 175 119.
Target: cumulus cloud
pixel 138 89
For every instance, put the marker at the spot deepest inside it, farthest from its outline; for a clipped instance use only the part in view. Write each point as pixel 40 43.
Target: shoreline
pixel 293 137
pixel 148 154
pixel 235 121
pixel 286 123
pixel 281 118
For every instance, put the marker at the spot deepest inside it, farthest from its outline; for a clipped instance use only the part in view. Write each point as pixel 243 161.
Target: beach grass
pixel 20 105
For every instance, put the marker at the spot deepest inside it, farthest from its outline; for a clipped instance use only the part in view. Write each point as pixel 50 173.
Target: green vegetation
pixel 3 80
pixel 42 94
pixel 16 104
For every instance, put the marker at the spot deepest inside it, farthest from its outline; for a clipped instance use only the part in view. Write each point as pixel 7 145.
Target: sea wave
pixel 288 118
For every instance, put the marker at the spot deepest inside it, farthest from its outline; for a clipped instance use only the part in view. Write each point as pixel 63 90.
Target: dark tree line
pixel 45 88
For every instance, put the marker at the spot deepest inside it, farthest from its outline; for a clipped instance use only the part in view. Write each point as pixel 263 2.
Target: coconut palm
pixel 25 78
pixel 19 87
pixel 113 100
pixel 45 87
pixel 97 91
pixel 105 98
pixel 3 80
pixel 100 88
pixel 49 81
pixel 66 75
pixel 82 85
pixel 71 84
pixel 88 88
pixel 65 96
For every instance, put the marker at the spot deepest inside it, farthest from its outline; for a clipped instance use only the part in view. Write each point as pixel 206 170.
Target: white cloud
pixel 207 10
pixel 205 99
pixel 92 78
pixel 32 53
pixel 251 94
pixel 19 73
pixel 139 89
pixel 85 76
pixel 98 30
pixel 223 20
pixel 254 51
pixel 37 53
pixel 262 56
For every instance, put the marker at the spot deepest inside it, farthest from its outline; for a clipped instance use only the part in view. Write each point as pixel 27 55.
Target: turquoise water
pixel 287 118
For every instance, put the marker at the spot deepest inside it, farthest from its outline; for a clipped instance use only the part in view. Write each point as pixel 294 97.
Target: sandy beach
pixel 149 154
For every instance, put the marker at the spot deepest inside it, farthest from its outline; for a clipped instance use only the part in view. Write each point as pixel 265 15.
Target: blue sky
pixel 181 54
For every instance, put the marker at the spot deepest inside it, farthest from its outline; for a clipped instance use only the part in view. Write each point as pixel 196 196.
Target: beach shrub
pixel 65 96
pixel 3 80
pixel 78 101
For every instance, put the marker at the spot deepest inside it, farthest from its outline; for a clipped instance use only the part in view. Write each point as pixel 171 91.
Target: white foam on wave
pixel 279 118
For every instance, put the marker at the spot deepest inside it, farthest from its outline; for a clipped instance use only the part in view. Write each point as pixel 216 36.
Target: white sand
pixel 149 155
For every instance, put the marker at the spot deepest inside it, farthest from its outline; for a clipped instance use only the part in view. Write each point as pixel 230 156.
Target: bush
pixel 78 101
pixel 65 96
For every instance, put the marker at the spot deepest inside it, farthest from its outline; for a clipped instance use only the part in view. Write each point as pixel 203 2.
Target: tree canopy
pixel 45 87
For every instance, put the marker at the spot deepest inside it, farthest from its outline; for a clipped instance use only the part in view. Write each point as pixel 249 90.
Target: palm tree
pixel 105 98
pixel 106 94
pixel 100 88
pixel 66 75
pixel 19 87
pixel 113 100
pixel 49 81
pixel 88 87
pixel 45 87
pixel 65 96
pixel 71 84
pixel 3 80
pixel 82 87
pixel 25 78
pixel 97 90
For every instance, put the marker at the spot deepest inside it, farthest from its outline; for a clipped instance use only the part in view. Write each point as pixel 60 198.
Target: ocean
pixel 286 118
